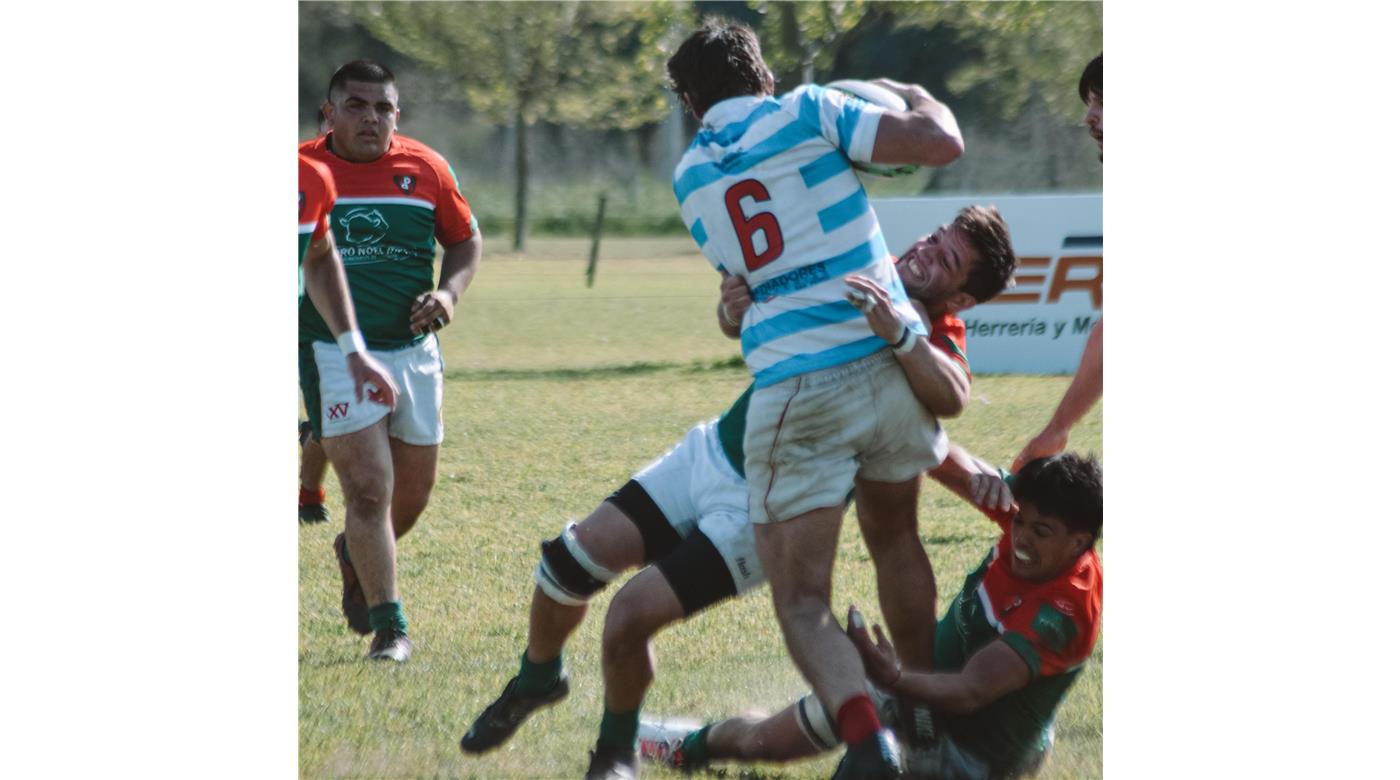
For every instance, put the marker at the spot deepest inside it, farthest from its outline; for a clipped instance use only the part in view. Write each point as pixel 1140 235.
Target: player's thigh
pixel 418 368
pixel 329 393
pixel 799 448
pixel 363 462
pixel 906 440
pixel 641 608
pixel 798 554
pixel 415 468
pixel 888 511
pixel 611 538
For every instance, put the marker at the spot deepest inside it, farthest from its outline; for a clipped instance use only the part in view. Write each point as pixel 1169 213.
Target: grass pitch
pixel 555 395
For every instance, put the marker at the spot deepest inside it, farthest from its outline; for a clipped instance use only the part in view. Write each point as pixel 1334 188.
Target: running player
pixel 768 192
pixel 398 198
pixel 687 513
pixel 1087 386
pixel 1008 649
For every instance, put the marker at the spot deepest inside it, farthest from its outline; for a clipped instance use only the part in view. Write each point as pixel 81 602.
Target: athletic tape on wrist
pixel 350 342
pixel 728 320
pixel 907 340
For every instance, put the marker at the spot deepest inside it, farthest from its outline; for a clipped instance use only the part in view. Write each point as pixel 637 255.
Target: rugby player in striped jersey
pixel 769 193
pixel 686 518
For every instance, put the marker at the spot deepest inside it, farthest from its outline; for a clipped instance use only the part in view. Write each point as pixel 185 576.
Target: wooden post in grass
pixel 597 238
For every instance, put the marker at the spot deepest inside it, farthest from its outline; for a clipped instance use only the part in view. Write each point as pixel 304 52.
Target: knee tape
pixel 567 573
pixel 815 724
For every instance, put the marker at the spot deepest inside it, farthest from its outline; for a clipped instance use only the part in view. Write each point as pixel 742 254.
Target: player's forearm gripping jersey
pixel 1051 625
pixel 768 193
pixel 315 196
pixel 948 335
pixel 385 220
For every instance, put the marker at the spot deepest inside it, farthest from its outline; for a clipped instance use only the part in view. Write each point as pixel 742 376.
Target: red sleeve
pixel 455 223
pixel 950 336
pixel 317 195
pixel 1055 630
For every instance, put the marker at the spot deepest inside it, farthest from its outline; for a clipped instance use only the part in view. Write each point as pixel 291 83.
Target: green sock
pixel 539 677
pixel 619 728
pixel 695 748
pixel 388 615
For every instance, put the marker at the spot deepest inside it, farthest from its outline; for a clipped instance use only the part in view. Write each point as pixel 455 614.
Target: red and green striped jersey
pixel 387 217
pixel 948 334
pixel 1051 625
pixel 315 196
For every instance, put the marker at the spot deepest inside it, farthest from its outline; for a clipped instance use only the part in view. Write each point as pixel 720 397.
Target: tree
pixel 584 64
pixel 800 38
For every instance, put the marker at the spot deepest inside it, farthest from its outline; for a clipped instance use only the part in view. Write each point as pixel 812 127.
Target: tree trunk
pixel 522 178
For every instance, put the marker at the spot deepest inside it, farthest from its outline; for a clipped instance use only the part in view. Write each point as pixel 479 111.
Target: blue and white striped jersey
pixel 768 192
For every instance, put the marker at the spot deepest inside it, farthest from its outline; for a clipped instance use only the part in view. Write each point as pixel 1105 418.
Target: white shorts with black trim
pixel 697 489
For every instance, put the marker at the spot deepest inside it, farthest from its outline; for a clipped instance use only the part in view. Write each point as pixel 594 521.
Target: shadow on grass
pixel 595 372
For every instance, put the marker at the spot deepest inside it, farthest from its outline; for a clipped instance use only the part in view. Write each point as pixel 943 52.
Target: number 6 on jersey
pixel 745 228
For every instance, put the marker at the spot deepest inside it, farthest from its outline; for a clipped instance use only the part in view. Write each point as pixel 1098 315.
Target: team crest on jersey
pixel 406 183
pixel 364 226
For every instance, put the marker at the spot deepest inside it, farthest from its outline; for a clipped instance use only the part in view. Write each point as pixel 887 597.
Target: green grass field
pixel 555 395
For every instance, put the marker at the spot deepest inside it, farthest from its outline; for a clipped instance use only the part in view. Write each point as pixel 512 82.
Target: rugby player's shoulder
pixel 416 148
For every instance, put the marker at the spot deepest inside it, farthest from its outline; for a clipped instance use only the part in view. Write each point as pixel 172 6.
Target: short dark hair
pixel 996 261
pixel 720 60
pixel 1068 487
pixel 366 71
pixel 1092 79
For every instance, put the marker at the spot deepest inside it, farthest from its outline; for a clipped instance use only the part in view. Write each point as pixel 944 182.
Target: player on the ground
pixel 768 192
pixel 1087 386
pixel 397 200
pixel 1008 649
pixel 321 279
pixel 687 513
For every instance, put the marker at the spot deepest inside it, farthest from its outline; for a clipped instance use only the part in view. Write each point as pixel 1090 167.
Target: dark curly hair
pixel 1068 487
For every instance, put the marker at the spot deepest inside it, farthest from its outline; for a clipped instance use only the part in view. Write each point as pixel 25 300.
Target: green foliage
pixel 798 38
pixel 555 394
pixel 589 64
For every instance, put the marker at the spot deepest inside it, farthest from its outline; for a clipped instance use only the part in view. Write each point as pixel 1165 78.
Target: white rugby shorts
pixel 417 369
pixel 696 489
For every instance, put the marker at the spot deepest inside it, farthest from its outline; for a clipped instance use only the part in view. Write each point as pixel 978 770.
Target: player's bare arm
pixel 926 134
pixel 434 310
pixel 1084 391
pixel 937 380
pixel 734 300
pixel 330 292
pixel 989 674
pixel 974 480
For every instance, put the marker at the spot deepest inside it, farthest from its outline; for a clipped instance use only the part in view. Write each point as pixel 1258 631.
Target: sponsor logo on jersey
pixel 364 226
pixel 406 183
pixel 1064 605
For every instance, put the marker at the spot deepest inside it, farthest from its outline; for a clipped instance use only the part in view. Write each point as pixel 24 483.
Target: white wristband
pixel 907 341
pixel 350 342
pixel 724 315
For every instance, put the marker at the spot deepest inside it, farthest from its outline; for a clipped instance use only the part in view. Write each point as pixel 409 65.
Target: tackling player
pixel 1008 649
pixel 1087 386
pixel 768 192
pixel 687 513
pixel 397 200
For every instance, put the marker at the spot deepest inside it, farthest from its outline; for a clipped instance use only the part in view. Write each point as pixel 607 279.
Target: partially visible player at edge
pixel 1087 386
pixel 686 514
pixel 321 278
pixel 311 496
pixel 397 200
pixel 987 709
pixel 768 192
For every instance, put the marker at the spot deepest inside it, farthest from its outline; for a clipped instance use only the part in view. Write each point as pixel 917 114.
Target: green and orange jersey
pixel 315 197
pixel 947 334
pixel 389 215
pixel 1051 625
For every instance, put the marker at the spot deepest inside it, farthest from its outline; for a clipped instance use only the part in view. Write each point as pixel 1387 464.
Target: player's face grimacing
pixel 936 267
pixel 1093 117
pixel 1042 546
pixel 363 118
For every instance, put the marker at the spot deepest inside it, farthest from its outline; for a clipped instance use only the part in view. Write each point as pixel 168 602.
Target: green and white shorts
pixel 329 393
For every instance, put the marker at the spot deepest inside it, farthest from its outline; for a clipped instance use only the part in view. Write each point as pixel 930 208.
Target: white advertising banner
pixel 1039 325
